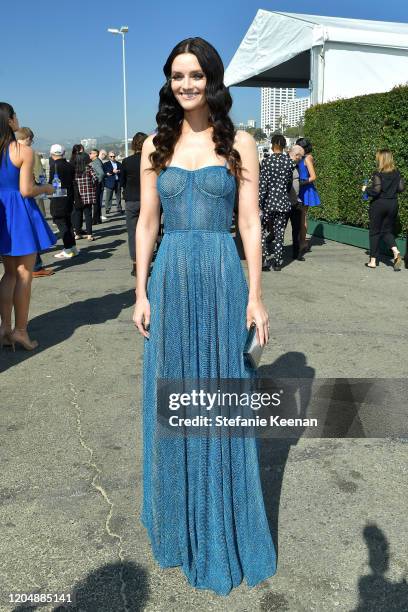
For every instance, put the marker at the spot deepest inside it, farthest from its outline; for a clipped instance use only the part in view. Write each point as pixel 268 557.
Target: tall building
pixel 251 123
pixel 272 100
pixel 88 143
pixel 294 111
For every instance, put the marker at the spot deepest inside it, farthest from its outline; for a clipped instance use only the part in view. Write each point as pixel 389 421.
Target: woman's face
pixel 188 82
pixel 13 123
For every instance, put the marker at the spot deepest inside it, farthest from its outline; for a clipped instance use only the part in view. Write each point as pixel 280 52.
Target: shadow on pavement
pixel 55 326
pixel 342 417
pixel 288 250
pixel 376 592
pixel 316 241
pixel 102 591
pixel 275 451
pixel 96 251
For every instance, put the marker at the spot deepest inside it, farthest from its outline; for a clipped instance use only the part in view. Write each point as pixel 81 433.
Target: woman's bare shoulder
pixel 20 153
pixel 243 139
pixel 148 145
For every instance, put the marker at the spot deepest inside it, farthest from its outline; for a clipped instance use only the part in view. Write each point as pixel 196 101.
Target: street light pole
pixel 124 94
pixel 123 30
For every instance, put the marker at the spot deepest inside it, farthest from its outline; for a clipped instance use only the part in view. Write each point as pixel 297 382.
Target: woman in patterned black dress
pixel 274 183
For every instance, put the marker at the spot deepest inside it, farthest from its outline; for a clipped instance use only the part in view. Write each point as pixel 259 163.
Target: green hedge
pixel 345 135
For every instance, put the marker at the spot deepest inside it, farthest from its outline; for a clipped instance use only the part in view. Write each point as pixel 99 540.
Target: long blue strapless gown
pixel 202 499
pixel 23 229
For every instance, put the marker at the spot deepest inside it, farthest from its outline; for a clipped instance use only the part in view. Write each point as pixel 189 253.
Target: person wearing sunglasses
pixel 112 169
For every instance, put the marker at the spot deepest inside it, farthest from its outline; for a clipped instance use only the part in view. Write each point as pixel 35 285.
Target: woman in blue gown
pixel 202 499
pixel 23 230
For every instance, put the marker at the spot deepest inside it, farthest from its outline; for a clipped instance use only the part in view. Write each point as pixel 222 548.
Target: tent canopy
pixel 283 50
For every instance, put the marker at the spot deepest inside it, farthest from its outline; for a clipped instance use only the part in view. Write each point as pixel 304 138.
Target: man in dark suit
pixel 112 169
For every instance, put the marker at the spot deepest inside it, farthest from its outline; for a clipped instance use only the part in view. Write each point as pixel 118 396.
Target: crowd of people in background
pixel 286 191
pixel 91 180
pixel 86 182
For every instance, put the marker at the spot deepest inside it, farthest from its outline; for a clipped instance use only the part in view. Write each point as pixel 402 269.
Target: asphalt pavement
pixel 71 445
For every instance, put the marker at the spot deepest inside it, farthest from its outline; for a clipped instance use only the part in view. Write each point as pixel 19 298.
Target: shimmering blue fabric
pixel 23 229
pixel 202 500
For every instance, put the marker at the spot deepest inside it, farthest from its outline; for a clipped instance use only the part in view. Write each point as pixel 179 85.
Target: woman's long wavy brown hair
pixel 170 115
pixel 6 133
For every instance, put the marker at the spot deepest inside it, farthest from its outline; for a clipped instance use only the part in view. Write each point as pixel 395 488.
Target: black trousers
pixel 97 207
pixel 132 210
pixel 64 225
pixel 78 215
pixel 295 218
pixel 382 215
pixel 273 230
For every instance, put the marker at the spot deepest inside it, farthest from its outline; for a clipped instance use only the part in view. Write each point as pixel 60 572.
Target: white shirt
pixel 115 167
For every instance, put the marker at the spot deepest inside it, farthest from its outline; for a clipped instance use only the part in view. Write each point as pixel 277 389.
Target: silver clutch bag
pixel 252 349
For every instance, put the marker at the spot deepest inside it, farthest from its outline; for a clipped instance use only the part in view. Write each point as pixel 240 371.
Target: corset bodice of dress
pixel 200 200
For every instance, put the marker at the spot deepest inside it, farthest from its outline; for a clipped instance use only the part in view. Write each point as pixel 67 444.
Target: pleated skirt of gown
pixel 203 506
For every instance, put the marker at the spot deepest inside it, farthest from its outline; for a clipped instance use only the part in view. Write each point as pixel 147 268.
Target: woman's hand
pixel 141 316
pixel 256 313
pixel 48 189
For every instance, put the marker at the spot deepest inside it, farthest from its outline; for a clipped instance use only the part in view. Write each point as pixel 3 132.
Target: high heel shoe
pixel 5 338
pixel 29 345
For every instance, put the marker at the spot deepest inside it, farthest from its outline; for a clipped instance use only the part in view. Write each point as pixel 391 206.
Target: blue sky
pixel 62 71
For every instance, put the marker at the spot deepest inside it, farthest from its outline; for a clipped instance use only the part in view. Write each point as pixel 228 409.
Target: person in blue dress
pixel 202 507
pixel 307 192
pixel 23 230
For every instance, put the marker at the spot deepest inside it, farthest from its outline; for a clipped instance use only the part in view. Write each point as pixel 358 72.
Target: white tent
pixel 334 57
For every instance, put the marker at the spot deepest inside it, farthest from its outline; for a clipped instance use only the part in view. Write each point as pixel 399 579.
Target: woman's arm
pixel 401 185
pixel 310 166
pixel 374 188
pixel 250 229
pixel 146 235
pixel 28 189
pixel 149 218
